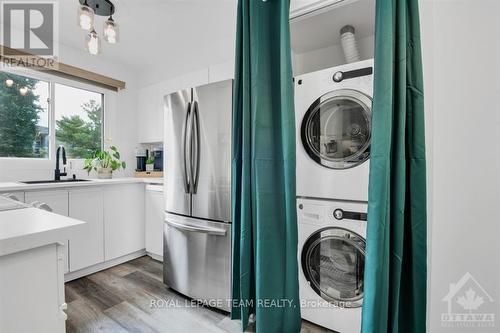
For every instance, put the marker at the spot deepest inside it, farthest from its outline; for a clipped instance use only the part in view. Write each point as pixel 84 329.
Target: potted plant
pixel 104 162
pixel 150 164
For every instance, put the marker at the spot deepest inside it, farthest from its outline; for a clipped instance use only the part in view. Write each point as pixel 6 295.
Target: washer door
pixel 333 261
pixel 336 129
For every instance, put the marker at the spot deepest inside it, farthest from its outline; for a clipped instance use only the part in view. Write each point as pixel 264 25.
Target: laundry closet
pixel 332 53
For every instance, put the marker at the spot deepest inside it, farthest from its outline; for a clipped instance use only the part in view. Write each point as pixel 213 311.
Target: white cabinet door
pixel 87 248
pixel 32 291
pixel 168 87
pixel 16 195
pixel 150 114
pixel 154 211
pixel 221 72
pixel 57 200
pixel 194 79
pixel 123 220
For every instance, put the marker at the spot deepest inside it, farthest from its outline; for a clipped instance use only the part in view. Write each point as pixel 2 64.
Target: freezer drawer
pixel 197 258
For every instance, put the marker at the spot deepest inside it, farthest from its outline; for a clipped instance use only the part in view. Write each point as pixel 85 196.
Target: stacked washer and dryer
pixel 333 120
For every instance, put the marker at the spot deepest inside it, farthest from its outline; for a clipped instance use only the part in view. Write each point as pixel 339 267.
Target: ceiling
pixel 160 36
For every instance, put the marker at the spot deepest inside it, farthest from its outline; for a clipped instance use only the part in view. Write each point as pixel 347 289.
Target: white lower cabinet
pixel 87 248
pixel 57 201
pixel 37 274
pixel 16 195
pixel 114 216
pixel 123 220
pixel 154 220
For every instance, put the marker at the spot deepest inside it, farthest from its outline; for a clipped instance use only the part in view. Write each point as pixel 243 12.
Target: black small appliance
pixel 141 155
pixel 158 158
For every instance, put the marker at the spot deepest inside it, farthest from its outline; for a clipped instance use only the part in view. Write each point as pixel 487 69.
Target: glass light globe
pixel 93 43
pixel 111 31
pixel 85 17
pixel 9 82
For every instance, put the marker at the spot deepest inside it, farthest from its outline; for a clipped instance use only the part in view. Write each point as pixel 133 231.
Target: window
pixel 78 115
pixel 29 117
pixel 24 117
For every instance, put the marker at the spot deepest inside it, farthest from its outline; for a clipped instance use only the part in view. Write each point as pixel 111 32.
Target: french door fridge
pixel 197 228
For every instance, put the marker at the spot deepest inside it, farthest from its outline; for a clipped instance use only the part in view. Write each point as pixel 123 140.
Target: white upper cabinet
pixel 87 248
pixel 150 114
pixel 150 105
pixel 221 72
pixel 194 79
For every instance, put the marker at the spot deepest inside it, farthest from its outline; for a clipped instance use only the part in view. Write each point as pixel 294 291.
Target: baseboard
pixel 155 256
pixel 104 265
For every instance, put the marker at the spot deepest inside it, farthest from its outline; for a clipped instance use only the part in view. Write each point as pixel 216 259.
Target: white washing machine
pixel 333 121
pixel 331 255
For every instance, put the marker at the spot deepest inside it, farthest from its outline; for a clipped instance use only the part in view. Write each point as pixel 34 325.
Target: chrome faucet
pixel 57 172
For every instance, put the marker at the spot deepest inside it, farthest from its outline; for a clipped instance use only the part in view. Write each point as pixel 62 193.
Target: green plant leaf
pixel 104 159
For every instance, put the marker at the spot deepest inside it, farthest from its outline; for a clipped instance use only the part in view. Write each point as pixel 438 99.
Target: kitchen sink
pixel 55 181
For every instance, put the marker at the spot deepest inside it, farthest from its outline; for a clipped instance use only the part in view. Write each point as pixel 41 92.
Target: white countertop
pixel 18 186
pixel 28 228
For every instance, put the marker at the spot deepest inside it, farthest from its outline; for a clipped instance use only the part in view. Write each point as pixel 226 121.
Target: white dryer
pixel 333 122
pixel 331 256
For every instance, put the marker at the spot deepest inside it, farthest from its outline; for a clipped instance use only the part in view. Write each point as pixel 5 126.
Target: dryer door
pixel 336 129
pixel 333 261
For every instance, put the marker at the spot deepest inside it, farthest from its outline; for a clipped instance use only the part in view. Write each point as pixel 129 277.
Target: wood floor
pixel 120 299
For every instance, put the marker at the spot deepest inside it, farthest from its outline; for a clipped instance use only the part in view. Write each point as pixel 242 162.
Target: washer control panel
pixel 340 214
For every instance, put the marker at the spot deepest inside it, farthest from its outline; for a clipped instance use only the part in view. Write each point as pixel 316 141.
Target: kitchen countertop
pixel 28 228
pixel 18 186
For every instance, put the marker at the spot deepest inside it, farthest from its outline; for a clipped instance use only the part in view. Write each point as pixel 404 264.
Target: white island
pixel 32 268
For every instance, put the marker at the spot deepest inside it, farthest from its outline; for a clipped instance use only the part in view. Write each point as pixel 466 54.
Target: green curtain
pixel 395 268
pixel 265 270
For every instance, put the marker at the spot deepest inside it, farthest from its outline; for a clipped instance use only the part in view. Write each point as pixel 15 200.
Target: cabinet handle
pixel 41 205
pixel 11 196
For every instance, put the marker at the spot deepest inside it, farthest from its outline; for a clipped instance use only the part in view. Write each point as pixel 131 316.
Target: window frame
pixel 52 80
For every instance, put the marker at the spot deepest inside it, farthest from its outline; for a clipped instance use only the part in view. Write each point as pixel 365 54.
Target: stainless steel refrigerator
pixel 197 228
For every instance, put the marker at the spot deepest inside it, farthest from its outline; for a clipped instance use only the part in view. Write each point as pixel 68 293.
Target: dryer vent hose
pixel 349 45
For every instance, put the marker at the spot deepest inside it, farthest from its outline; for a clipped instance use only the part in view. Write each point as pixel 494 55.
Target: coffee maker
pixel 158 158
pixel 141 155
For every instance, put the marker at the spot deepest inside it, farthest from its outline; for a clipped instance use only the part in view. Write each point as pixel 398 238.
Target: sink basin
pixel 55 181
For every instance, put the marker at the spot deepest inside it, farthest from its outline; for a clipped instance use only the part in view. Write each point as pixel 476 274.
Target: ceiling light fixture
pixel 87 10
pixel 85 16
pixel 93 43
pixel 111 31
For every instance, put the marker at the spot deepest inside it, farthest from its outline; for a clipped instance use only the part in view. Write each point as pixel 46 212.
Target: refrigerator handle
pixel 186 144
pixel 195 169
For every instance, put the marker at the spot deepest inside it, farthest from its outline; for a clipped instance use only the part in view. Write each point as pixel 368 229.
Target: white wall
pixel 462 76
pixel 202 52
pixel 119 121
